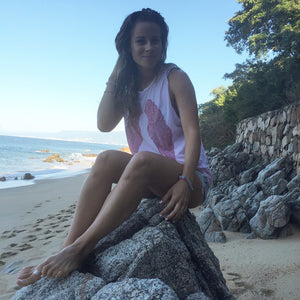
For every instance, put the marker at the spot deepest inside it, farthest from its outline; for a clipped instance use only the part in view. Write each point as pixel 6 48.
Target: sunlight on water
pixel 19 155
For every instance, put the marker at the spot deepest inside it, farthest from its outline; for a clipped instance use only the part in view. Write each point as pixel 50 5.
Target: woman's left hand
pixel 178 198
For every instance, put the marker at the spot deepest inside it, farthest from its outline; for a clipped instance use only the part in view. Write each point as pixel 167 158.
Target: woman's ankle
pixel 82 247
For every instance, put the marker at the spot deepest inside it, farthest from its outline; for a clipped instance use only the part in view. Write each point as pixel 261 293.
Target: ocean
pixel 20 155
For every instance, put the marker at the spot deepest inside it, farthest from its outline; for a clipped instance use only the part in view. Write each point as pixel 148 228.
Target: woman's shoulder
pixel 178 80
pixel 168 68
pixel 175 74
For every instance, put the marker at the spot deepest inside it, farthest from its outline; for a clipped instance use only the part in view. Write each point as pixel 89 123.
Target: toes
pixel 60 274
pixel 32 278
pixel 46 270
pixel 25 272
pixel 51 271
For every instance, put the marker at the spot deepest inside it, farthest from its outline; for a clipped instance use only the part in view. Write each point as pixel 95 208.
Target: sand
pixel 34 221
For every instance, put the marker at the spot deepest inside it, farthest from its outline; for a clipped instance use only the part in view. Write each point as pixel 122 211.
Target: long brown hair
pixel 126 90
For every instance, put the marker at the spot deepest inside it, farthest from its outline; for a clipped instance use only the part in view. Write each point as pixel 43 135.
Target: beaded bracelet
pixel 182 177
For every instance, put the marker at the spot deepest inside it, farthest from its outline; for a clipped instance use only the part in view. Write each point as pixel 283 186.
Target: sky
pixel 56 56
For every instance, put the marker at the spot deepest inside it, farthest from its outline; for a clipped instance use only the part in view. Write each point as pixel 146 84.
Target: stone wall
pixel 273 134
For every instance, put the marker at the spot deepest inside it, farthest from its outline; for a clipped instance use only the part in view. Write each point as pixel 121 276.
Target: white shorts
pixel 204 183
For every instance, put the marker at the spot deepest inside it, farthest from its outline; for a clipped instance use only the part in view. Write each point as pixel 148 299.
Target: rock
pixel 210 226
pixel 251 205
pixel 283 163
pixel 243 192
pixel 279 188
pixel 27 176
pixel 294 183
pixel 286 231
pixel 231 212
pixel 136 289
pixel 231 215
pixel 232 161
pixel 89 155
pixel 214 196
pixel 275 184
pixel 241 182
pixel 3 178
pixel 293 201
pixel 272 215
pixel 53 157
pixel 146 254
pixel 76 286
pixel 249 175
pixel 251 236
pixel 213 151
pixel 197 296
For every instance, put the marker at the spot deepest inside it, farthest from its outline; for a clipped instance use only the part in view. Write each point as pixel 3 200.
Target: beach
pixel 34 221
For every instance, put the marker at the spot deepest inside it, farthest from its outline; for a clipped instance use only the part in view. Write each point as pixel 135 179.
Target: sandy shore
pixel 34 221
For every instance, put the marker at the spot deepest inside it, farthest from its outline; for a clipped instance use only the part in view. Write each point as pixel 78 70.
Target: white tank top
pixel 156 127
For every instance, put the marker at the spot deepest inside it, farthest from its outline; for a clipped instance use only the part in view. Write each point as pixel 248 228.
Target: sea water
pixel 20 155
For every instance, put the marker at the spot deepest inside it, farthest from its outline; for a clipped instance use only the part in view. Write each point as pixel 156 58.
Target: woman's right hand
pixel 178 198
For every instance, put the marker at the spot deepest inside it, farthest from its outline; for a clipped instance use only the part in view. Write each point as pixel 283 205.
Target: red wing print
pixel 158 130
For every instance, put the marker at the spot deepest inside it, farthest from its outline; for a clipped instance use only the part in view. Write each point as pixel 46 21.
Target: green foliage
pixel 216 131
pixel 270 31
pixel 260 87
pixel 265 26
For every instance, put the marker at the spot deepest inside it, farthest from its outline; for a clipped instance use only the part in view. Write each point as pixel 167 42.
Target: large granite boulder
pixel 292 200
pixel 272 215
pixel 75 286
pixel 250 195
pixel 147 257
pixel 210 226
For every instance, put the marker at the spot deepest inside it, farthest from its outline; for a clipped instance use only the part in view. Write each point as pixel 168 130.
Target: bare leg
pixel 107 170
pixel 145 172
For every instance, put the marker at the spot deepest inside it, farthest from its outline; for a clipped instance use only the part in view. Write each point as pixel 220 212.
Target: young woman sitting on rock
pixel 158 103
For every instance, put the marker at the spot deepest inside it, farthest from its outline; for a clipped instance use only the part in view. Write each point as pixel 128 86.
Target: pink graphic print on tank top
pixel 158 130
pixel 134 136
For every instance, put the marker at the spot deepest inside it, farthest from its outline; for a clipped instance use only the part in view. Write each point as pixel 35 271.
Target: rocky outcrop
pixel 251 194
pixel 52 157
pixel 147 257
pixel 255 180
pixel 27 176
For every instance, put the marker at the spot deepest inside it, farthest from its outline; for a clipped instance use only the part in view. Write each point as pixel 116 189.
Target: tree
pixel 266 27
pixel 216 130
pixel 270 31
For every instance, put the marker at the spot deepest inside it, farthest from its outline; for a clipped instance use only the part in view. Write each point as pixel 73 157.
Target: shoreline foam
pixel 11 182
pixel 43 158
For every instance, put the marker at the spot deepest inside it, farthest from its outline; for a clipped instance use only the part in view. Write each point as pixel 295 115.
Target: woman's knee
pixel 104 159
pixel 140 165
pixel 109 164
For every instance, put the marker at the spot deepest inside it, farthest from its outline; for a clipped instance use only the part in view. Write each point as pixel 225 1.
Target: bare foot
pixel 59 265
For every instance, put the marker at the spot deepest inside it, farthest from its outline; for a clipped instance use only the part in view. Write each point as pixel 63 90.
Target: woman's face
pixel 146 46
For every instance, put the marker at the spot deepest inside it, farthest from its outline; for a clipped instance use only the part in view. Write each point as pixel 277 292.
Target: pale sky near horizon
pixel 56 56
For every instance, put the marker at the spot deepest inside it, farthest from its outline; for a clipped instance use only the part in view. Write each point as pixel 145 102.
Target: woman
pixel 158 103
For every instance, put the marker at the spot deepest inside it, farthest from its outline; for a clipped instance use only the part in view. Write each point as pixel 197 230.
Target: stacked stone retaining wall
pixel 273 134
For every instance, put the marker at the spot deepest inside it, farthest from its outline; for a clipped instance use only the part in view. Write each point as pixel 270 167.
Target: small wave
pixel 15 183
pixel 76 156
pixel 43 151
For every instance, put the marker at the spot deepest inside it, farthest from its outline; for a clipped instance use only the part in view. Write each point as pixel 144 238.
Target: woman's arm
pixel 183 94
pixel 109 113
pixel 182 90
